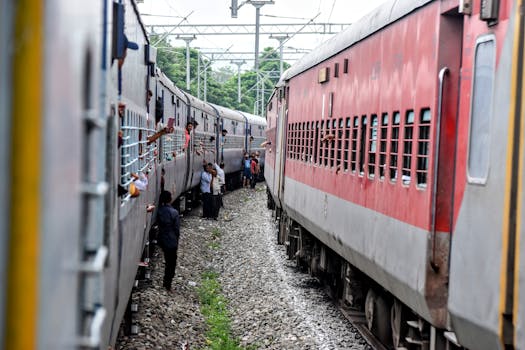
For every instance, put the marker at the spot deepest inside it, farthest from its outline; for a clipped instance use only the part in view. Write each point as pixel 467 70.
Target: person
pixel 254 170
pixel 258 158
pixel 224 132
pixel 206 190
pixel 187 136
pixel 140 180
pixel 247 175
pixel 216 191
pixel 168 221
pixel 222 181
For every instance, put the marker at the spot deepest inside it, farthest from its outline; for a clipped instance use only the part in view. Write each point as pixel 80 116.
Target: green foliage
pixel 221 83
pixel 214 307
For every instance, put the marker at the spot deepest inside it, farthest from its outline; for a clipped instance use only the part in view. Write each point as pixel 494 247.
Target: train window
pixel 326 144
pixel 310 141
pixel 354 144
pixel 481 105
pixel 316 141
pixel 394 146
pixel 382 145
pixel 178 102
pixel 372 147
pixel 339 142
pixel 407 147
pixel 303 142
pixel 362 145
pixel 294 142
pixel 423 148
pixel 320 145
pixel 345 66
pixel 346 143
pixel 336 70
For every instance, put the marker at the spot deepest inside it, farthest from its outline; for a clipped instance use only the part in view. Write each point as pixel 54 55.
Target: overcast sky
pixel 218 12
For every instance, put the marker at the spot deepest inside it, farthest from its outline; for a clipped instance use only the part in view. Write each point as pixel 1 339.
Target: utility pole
pixel 199 74
pixel 239 63
pixel 281 39
pixel 188 40
pixel 257 4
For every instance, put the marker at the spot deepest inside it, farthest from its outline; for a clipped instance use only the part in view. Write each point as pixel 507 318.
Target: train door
pixel 483 277
pixel 6 8
pixel 280 147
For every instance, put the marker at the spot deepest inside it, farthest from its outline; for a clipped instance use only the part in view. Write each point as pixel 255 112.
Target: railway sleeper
pixel 366 304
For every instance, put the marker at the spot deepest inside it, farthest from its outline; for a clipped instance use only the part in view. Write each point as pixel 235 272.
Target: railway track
pixel 358 320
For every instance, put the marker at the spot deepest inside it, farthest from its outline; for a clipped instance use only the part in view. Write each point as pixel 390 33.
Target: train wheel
pixel 398 323
pixel 377 312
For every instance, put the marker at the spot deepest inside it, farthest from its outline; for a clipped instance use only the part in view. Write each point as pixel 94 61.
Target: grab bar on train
pixel 442 73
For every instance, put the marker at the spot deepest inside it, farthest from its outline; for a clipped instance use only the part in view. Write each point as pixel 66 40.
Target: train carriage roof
pixel 228 113
pixel 254 119
pixel 168 84
pixel 379 18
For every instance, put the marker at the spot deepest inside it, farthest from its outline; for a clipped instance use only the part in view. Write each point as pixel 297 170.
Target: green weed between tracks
pixel 214 307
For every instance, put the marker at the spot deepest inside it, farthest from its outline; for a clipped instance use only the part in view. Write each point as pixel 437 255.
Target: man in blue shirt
pixel 205 190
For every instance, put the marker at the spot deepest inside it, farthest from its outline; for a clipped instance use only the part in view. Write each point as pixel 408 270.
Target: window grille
pixel 382 145
pixel 372 148
pixel 332 142
pixel 362 145
pixel 355 133
pixel 340 133
pixel 316 143
pixel 407 147
pixel 394 146
pixel 423 148
pixel 347 142
pixel 135 153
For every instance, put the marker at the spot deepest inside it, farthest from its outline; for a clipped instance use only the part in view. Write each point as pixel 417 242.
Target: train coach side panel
pixel 382 247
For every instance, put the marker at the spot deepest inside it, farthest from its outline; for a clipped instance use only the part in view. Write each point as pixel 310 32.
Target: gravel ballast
pixel 272 304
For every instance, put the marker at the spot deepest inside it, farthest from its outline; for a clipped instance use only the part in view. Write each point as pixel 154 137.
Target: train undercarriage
pixel 390 321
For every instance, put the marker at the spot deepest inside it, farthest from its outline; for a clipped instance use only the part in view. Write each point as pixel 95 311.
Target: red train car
pixel 383 167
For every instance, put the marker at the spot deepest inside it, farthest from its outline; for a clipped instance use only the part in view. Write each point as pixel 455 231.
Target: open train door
pixel 280 151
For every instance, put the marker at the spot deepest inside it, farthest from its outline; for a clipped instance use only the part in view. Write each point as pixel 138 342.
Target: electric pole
pixel 238 63
pixel 188 40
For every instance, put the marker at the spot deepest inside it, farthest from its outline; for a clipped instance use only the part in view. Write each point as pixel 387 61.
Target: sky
pixel 288 11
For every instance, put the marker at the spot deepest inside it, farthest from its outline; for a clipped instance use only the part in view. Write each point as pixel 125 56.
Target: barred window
pixel 353 162
pixel 394 146
pixel 325 144
pixel 423 148
pixel 407 147
pixel 316 143
pixel 372 148
pixel 362 145
pixel 382 145
pixel 332 143
pixel 340 134
pixel 347 142
pixel 135 153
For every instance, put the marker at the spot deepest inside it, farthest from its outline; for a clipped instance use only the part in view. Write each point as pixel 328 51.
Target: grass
pixel 214 245
pixel 214 308
pixel 215 233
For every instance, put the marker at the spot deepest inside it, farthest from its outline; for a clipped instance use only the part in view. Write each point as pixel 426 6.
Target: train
pixel 82 101
pixel 394 164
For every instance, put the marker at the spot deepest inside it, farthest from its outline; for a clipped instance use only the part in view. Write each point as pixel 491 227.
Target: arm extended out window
pixel 481 107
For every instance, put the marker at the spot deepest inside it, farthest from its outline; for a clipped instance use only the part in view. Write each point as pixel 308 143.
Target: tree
pixel 221 83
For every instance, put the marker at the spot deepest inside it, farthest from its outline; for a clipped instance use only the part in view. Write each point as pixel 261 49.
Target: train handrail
pixel 93 340
pixel 441 78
